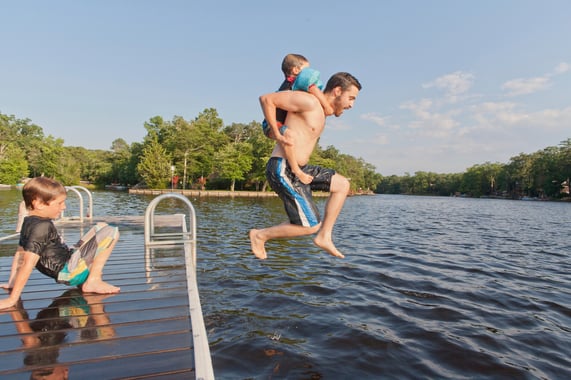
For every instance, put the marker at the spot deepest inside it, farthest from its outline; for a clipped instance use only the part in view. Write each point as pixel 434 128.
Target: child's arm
pixel 16 263
pixel 20 278
pixel 308 80
pixel 292 161
pixel 22 213
pixel 269 105
pixel 21 320
pixel 315 91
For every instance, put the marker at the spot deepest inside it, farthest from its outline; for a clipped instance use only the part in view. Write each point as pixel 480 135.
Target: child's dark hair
pixel 43 189
pixel 343 80
pixel 292 61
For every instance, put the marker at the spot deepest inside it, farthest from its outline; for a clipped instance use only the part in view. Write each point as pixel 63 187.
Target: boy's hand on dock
pixel 6 303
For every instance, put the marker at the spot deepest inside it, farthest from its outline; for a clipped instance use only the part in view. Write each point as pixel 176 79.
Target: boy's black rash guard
pixel 40 236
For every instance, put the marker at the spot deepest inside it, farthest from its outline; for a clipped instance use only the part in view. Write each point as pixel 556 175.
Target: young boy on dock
pixel 42 247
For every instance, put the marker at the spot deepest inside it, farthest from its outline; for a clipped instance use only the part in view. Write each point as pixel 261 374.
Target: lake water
pixel 439 288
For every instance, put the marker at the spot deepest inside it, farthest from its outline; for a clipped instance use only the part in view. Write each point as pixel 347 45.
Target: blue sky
pixel 446 84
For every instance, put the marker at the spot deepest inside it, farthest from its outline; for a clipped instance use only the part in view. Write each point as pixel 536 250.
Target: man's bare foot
pixel 258 246
pixel 99 287
pixel 328 246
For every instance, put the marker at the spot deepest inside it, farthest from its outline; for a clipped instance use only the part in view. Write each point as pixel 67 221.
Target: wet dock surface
pixel 144 332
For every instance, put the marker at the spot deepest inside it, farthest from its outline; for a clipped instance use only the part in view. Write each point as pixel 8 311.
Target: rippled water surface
pixel 430 288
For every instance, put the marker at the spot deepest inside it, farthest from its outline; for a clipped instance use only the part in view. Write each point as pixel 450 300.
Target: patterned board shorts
pixel 295 195
pixel 76 270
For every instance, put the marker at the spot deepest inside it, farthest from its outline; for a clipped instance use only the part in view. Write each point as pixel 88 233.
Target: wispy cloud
pixel 453 121
pixel 375 118
pixel 430 122
pixel 496 115
pixel 454 84
pixel 337 125
pixel 561 68
pixel 381 121
pixel 381 139
pixel 524 86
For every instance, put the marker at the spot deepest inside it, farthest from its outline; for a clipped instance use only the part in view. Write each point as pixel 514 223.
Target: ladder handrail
pixel 90 198
pixel 187 236
pixel 75 189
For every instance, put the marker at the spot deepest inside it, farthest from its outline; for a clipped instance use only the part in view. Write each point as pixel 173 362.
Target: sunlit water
pixel 431 288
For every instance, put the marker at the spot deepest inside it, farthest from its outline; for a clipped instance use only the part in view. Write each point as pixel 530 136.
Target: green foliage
pixel 233 161
pixel 154 166
pixel 237 153
pixel 261 151
pixel 13 164
pixel 542 174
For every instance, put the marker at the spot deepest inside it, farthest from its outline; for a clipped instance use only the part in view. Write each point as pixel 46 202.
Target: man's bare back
pixel 303 128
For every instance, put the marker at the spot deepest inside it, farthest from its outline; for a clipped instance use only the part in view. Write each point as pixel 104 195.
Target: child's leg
pixel 90 234
pixel 106 237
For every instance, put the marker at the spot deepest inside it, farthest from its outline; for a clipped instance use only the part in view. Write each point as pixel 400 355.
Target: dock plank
pixel 142 332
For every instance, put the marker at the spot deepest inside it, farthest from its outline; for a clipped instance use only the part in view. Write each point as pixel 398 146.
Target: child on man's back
pixel 298 76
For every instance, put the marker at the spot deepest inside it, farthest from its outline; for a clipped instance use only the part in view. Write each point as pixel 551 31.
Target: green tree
pixel 261 151
pixel 68 170
pixel 120 158
pixel 233 161
pixel 155 165
pixel 13 164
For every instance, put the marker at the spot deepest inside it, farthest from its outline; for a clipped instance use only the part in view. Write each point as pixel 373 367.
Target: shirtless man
pixel 305 123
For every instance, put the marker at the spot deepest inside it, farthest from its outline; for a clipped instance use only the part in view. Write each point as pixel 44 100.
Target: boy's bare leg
pixel 99 316
pixel 90 234
pixel 339 190
pixel 258 238
pixel 94 282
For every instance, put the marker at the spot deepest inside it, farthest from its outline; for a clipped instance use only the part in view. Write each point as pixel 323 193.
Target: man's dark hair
pixel 343 80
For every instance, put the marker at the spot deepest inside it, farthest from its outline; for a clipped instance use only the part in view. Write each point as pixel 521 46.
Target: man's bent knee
pixel 340 184
pixel 313 229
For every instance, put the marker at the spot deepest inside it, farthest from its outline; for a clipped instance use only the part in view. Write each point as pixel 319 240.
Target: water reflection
pixel 72 313
pixel 441 288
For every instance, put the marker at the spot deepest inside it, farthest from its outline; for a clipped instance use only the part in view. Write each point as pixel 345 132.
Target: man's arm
pixel 291 102
pixel 23 272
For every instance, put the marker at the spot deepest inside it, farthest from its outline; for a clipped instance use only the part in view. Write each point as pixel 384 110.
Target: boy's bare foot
pixel 304 178
pixel 95 298
pixel 258 246
pixel 328 246
pixel 99 287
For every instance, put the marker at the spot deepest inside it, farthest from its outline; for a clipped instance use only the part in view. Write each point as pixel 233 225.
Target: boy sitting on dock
pixel 42 247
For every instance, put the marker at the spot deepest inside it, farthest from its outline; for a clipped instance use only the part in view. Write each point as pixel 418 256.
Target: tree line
pixel 200 153
pixel 206 154
pixel 544 174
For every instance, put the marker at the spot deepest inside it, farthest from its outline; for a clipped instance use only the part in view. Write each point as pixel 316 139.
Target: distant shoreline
pixel 215 193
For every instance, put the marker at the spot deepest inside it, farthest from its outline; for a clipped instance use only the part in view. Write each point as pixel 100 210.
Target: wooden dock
pixel 144 332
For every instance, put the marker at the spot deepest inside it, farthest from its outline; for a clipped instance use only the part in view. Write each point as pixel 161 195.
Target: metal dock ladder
pixel 187 237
